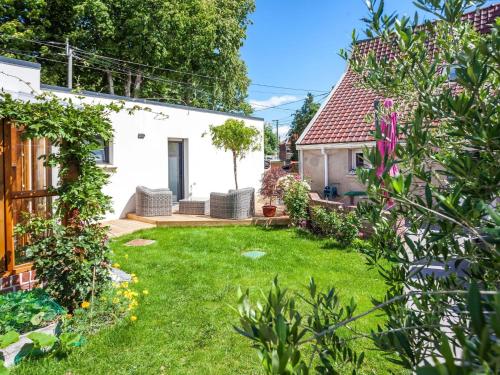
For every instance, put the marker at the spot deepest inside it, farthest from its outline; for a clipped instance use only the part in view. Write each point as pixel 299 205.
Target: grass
pixel 185 324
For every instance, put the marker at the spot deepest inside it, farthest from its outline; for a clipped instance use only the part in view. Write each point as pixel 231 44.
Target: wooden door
pixel 25 182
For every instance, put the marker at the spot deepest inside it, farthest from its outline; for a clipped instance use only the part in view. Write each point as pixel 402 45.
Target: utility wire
pixel 295 101
pixel 125 70
pixel 82 51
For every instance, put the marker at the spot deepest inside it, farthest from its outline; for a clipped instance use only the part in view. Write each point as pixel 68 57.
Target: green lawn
pixel 185 325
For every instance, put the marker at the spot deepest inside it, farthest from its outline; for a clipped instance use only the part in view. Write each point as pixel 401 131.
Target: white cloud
pixel 272 101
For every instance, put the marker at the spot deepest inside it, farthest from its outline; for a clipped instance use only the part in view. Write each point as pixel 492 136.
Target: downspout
pixel 325 160
pixel 301 164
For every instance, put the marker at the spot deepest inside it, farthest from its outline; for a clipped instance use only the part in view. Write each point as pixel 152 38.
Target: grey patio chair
pixel 236 204
pixel 153 202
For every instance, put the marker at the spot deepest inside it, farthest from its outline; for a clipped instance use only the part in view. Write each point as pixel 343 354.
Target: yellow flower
pixel 135 279
pixel 116 265
pixel 116 300
pixel 85 304
pixel 124 285
pixel 145 292
pixel 133 318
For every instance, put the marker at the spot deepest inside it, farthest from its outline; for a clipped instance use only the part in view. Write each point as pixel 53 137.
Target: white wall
pixel 145 161
pixel 19 76
pixel 339 165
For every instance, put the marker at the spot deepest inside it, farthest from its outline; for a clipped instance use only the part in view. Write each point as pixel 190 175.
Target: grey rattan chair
pixel 153 202
pixel 236 204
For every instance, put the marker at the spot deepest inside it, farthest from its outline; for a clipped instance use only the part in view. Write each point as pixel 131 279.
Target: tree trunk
pixel 111 84
pixel 71 214
pixel 128 83
pixel 235 171
pixel 137 84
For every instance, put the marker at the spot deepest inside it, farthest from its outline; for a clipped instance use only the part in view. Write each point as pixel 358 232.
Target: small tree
pixel 269 187
pixel 236 137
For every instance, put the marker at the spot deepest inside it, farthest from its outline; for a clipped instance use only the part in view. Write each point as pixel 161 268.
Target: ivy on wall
pixel 70 250
pixel 73 130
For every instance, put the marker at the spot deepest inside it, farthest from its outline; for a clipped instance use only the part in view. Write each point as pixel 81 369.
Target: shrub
pixel 26 311
pixel 114 304
pixel 341 226
pixel 296 198
pixel 269 188
pixel 72 262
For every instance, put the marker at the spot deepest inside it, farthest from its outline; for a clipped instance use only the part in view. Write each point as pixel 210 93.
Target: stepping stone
pixel 140 242
pixel 254 254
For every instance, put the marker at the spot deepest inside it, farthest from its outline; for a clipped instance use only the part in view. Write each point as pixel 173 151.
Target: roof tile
pixel 342 119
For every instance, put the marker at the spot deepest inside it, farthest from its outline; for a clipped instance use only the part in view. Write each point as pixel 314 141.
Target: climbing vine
pixel 70 251
pixel 74 130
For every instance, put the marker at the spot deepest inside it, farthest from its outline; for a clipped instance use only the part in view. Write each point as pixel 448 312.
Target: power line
pixel 54 44
pixel 295 101
pixel 126 71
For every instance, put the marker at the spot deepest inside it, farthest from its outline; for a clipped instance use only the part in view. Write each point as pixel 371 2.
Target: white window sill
pixel 108 167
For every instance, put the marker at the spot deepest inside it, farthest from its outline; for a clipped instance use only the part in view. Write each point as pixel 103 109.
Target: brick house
pixel 331 147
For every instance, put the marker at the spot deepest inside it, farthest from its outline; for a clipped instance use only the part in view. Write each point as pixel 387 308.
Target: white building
pixel 158 147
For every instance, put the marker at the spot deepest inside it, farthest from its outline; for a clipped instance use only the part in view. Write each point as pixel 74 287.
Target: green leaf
pixel 431 370
pixel 9 338
pixel 475 309
pixel 447 354
pixel 42 340
pixel 3 370
pixel 70 339
pixel 37 319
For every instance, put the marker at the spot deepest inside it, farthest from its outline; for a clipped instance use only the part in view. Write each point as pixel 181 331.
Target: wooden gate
pixel 24 181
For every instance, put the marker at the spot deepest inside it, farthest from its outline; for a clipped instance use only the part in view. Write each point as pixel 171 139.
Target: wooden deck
pixel 179 220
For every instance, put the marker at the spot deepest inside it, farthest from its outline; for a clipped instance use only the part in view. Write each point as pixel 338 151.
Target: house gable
pixel 342 118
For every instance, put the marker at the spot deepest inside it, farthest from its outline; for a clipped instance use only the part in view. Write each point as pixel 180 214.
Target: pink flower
pixel 388 103
pixel 386 146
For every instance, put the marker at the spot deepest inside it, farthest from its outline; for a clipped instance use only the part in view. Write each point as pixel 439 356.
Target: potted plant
pixel 269 189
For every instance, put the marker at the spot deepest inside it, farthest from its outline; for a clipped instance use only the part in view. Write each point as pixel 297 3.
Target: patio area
pixel 135 222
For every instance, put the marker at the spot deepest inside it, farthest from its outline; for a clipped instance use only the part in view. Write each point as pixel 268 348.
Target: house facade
pixel 331 147
pixel 158 145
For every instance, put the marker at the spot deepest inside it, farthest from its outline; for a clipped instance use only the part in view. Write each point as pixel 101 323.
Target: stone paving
pixel 124 226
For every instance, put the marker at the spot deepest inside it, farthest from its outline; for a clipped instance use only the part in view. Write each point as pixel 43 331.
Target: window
pixel 102 153
pixel 359 161
pixel 356 160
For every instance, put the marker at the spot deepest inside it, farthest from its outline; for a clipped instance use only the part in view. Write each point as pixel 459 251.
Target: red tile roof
pixel 342 119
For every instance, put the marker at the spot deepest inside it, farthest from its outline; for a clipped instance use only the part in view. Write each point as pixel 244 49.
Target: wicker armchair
pixel 236 204
pixel 153 202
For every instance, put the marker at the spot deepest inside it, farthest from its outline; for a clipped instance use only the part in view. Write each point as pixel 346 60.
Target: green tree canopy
pixel 301 119
pixel 191 48
pixel 236 137
pixel 270 140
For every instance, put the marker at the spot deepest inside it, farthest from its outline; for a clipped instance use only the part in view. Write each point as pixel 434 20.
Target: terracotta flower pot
pixel 269 211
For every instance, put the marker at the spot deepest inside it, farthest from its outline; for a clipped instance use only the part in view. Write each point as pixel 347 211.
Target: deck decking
pixel 180 220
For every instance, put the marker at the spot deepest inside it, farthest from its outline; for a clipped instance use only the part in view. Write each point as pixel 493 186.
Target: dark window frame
pixel 104 151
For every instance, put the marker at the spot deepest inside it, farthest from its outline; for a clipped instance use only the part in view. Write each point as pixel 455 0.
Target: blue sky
pixel 295 43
